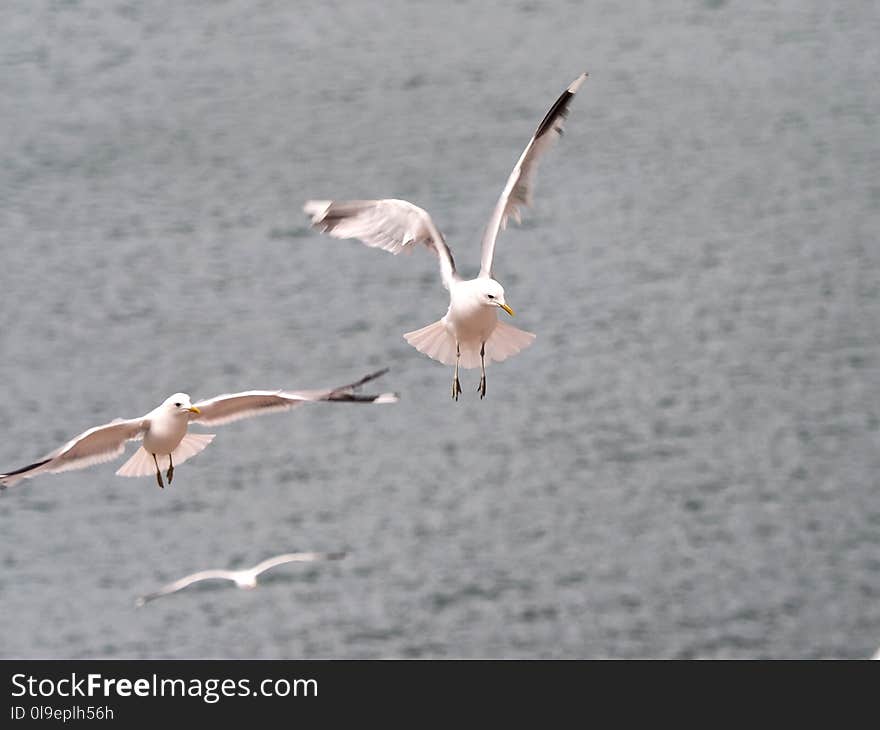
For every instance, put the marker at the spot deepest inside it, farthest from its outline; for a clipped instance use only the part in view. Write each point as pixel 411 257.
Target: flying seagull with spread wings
pixel 470 334
pixel 164 430
pixel 245 578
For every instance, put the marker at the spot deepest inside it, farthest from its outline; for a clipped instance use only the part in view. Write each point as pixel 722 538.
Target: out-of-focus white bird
pixel 245 578
pixel 470 333
pixel 164 430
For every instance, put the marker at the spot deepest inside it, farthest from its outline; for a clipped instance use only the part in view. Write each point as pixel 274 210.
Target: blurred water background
pixel 686 462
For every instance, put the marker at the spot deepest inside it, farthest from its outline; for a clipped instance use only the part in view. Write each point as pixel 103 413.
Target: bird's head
pixel 491 294
pixel 180 404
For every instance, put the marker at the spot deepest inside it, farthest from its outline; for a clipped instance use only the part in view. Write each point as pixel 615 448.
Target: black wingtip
pixel 363 380
pixel 559 109
pixel 373 376
pixel 23 469
pixel 560 106
pixel 344 392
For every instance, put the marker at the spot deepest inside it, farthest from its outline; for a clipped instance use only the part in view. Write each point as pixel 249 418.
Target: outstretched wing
pixel 95 446
pixel 187 580
pixel 295 558
pixel 392 225
pixel 234 406
pixel 518 190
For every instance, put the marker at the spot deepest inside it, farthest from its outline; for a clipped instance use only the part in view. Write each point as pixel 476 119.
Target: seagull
pixel 163 430
pixel 245 578
pixel 470 333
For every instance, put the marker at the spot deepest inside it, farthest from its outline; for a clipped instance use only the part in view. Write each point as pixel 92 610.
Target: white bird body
pixel 468 319
pixel 246 582
pixel 165 430
pixel 470 334
pixel 166 440
pixel 167 426
pixel 470 327
pixel 246 578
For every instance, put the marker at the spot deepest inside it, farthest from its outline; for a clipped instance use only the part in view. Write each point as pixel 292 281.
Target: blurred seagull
pixel 470 333
pixel 245 578
pixel 164 430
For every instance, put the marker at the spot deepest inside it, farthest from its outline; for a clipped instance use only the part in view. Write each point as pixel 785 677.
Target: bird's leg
pixel 483 371
pixel 170 473
pixel 456 384
pixel 158 473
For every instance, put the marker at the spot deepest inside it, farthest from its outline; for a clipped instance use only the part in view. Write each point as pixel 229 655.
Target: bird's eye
pixel 178 405
pixel 491 296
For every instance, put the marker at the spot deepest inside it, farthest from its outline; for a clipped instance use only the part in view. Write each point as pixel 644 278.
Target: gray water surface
pixel 684 464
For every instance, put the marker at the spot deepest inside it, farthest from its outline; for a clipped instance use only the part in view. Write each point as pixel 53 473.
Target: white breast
pixel 469 319
pixel 165 432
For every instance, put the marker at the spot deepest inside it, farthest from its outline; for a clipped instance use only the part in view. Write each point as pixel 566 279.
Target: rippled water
pixel 685 464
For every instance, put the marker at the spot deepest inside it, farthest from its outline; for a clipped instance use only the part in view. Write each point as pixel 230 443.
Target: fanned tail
pixel 192 444
pixel 435 341
pixel 505 341
pixel 141 463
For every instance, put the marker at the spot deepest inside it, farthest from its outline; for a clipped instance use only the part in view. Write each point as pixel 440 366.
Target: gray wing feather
pixel 517 192
pixel 95 446
pixel 294 558
pixel 235 406
pixel 187 580
pixel 390 224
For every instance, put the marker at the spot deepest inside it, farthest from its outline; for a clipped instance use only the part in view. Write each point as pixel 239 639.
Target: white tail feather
pixel 192 444
pixel 470 356
pixel 437 342
pixel 141 464
pixel 434 341
pixel 505 341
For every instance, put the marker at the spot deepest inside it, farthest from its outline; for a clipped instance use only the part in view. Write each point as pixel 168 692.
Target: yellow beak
pixel 193 409
pixel 506 309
